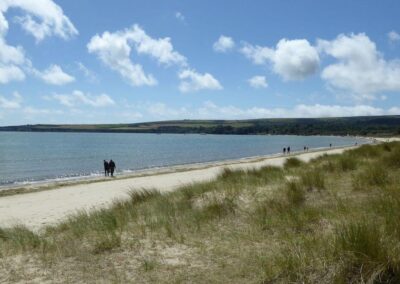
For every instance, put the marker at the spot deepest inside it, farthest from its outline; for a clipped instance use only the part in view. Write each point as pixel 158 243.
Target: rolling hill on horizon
pixel 362 125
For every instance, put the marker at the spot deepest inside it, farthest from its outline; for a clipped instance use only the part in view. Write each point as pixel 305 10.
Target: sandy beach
pixel 39 209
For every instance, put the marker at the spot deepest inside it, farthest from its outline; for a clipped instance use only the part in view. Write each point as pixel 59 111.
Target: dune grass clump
pixel 293 162
pixel 267 173
pixel 392 159
pixel 362 247
pixel 347 163
pixel 387 205
pixel 20 238
pixel 250 177
pixel 313 179
pixel 375 175
pixel 387 147
pixel 227 173
pixel 295 193
pixel 358 182
pixel 366 151
pixel 218 208
pixel 140 196
pixel 326 163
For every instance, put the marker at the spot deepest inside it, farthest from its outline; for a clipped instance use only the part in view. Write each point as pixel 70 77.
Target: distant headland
pixel 361 125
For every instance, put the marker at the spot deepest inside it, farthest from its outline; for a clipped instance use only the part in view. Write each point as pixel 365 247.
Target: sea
pixel 33 157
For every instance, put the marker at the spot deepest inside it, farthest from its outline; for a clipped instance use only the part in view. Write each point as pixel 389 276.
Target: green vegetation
pixel 335 219
pixel 368 125
pixel 293 162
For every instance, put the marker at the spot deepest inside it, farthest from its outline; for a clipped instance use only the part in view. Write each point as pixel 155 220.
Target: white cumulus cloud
pixel 192 81
pixel 89 74
pixel 258 82
pixel 11 103
pixel 179 16
pixel 292 59
pixel 360 68
pixel 54 75
pixel 41 18
pixel 10 73
pixel 114 50
pixel 48 19
pixel 393 36
pixel 223 44
pixel 12 59
pixel 77 98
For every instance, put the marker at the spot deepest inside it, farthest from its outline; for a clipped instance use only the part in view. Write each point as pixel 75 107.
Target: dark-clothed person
pixel 112 167
pixel 288 150
pixel 106 168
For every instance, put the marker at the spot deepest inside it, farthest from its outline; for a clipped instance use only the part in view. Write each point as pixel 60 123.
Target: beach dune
pixel 39 209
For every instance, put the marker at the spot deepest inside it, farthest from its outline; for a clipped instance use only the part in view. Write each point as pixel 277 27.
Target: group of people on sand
pixel 286 150
pixel 109 168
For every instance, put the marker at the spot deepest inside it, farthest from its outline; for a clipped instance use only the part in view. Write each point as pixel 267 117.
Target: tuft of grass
pixel 313 179
pixel 375 175
pixel 149 264
pixel 295 193
pixel 366 151
pixel 140 196
pixel 228 173
pixel 347 163
pixel 361 246
pixel 392 159
pixel 388 207
pixel 358 182
pixel 387 147
pixel 20 238
pixel 363 239
pixel 293 162
pixel 267 173
pixel 106 242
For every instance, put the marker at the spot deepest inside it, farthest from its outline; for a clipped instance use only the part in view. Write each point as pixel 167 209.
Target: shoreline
pixel 42 208
pixel 51 184
pixel 18 187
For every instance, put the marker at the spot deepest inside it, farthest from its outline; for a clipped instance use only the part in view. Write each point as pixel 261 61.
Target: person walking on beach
pixel 284 151
pixel 106 168
pixel 288 150
pixel 112 167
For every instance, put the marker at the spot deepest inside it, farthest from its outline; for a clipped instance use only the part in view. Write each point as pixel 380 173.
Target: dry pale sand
pixel 38 209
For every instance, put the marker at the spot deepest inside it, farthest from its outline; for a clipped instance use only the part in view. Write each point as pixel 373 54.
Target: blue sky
pixel 130 61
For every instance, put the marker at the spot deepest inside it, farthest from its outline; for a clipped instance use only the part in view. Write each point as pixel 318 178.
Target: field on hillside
pixel 335 219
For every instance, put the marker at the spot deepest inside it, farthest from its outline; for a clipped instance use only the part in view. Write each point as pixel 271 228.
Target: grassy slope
pixel 335 219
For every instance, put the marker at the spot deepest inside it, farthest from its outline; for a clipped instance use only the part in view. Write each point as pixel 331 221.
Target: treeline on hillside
pixel 371 125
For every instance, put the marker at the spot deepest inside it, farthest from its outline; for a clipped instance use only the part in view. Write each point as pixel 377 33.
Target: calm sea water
pixel 28 157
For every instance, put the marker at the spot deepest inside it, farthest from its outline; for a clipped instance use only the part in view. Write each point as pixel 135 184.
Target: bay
pixel 28 157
